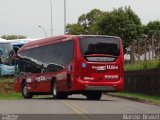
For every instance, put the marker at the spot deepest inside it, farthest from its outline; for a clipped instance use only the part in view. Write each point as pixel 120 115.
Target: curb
pixel 133 99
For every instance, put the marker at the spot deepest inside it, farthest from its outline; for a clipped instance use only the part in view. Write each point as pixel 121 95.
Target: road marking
pixel 73 108
pixel 78 110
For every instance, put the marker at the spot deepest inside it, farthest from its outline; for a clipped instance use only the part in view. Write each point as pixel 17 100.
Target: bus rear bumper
pixel 100 88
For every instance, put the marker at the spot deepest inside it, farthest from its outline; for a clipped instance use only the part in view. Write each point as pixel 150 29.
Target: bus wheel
pixel 54 90
pixel 93 95
pixel 25 93
pixel 56 94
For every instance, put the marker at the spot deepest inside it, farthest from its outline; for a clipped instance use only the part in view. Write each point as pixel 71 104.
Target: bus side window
pixel 24 66
pixel 35 68
pixel 54 68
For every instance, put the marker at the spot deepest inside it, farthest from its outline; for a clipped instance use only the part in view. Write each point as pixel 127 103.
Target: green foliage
pixel 152 28
pixel 75 29
pixel 121 22
pixel 7 79
pixel 143 65
pixel 10 96
pixel 87 23
pixel 11 37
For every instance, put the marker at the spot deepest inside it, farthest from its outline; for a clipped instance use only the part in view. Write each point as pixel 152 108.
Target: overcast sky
pixel 23 17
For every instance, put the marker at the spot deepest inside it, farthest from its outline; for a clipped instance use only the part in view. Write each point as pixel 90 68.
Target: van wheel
pixel 25 93
pixel 93 95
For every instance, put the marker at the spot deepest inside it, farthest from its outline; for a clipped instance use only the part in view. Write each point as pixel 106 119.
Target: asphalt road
pixel 77 104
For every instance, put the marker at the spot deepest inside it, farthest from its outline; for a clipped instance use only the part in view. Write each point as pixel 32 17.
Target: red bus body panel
pixel 100 76
pixel 99 81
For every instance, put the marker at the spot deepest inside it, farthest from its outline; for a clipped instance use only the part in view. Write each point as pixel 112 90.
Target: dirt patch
pixel 6 87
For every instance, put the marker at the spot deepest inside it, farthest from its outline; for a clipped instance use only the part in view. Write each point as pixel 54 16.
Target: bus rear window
pixel 100 48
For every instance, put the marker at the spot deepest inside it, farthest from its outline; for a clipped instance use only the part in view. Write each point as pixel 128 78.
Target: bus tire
pixel 56 94
pixel 25 93
pixel 93 95
pixel 54 90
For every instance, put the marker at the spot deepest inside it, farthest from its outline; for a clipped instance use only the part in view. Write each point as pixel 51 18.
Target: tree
pixel 152 28
pixel 11 37
pixel 121 22
pixel 87 23
pixel 75 29
pixel 152 31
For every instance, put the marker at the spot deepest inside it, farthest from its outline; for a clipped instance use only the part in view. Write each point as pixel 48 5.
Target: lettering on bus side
pixel 99 67
pixel 108 67
pixel 112 67
pixel 41 78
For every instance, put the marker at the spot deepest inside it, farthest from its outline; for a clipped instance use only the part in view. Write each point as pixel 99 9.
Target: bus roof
pixel 21 41
pixel 42 42
pixel 4 41
pixel 46 41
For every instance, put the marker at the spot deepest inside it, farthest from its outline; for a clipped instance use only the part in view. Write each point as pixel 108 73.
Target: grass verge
pixel 6 89
pixel 138 97
pixel 10 96
pixel 143 65
pixel 6 79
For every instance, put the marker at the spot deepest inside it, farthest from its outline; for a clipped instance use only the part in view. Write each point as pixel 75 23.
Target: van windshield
pixel 95 48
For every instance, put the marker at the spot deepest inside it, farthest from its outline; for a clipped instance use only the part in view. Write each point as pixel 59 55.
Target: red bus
pixel 70 64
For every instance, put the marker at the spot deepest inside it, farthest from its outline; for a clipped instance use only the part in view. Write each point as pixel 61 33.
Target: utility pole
pixel 51 19
pixel 64 17
pixel 43 30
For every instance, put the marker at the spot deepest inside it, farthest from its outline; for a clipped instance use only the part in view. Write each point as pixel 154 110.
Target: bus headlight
pixel 29 80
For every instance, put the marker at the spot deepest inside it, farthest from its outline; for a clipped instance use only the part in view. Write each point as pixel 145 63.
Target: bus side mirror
pixel 15 49
pixel 43 69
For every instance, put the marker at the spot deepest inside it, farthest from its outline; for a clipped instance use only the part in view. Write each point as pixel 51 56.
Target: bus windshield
pixel 100 49
pixel 6 51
